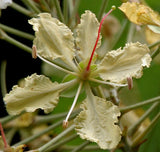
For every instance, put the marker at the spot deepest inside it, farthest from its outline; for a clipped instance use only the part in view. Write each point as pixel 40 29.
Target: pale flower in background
pixel 5 3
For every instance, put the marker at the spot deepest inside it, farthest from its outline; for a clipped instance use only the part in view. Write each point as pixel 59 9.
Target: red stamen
pixel 99 30
pixel 3 136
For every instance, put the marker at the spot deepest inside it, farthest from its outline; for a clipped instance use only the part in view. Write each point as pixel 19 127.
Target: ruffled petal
pixel 53 38
pixel 87 32
pixel 97 122
pixel 120 64
pixel 140 14
pixel 38 92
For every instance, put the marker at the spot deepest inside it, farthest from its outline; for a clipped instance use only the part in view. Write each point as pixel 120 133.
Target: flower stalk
pixel 135 126
pixel 54 140
pixel 140 104
pixel 136 141
pixel 102 9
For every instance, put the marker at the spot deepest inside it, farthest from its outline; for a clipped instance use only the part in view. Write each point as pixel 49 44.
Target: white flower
pixel 5 3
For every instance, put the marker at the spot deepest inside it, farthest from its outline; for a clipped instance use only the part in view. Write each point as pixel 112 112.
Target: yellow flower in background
pixel 140 14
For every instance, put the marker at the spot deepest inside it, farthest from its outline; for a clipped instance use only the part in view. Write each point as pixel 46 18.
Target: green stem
pixel 118 36
pixel 9 39
pixel 135 126
pixel 131 31
pixel 9 118
pixel 50 118
pixel 31 4
pixel 154 44
pixel 61 142
pixel 155 53
pixel 140 104
pixel 45 5
pixel 102 9
pixel 3 78
pixel 65 10
pixel 16 32
pixel 59 12
pixel 54 140
pixel 22 10
pixel 87 148
pixel 73 14
pixel 31 138
pixel 10 134
pixel 146 131
pixel 80 147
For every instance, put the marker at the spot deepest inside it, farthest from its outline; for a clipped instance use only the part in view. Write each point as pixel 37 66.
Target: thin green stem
pixel 101 92
pixel 16 32
pixel 22 10
pixel 131 32
pixel 155 53
pixel 3 78
pixel 62 142
pixel 102 9
pixel 146 131
pixel 118 36
pixel 31 138
pixel 154 44
pixel 45 5
pixel 133 128
pixel 59 11
pixel 9 39
pixel 140 104
pixel 31 4
pixel 73 14
pixel 9 118
pixel 50 118
pixel 10 134
pixel 54 140
pixel 80 147
pixel 65 10
pixel 87 148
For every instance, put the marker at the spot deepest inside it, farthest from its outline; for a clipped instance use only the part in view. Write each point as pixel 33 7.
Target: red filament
pixel 99 30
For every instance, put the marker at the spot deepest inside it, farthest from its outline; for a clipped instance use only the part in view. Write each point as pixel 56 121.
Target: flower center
pixel 98 36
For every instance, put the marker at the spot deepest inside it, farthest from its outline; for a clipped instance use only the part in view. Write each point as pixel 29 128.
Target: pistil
pixel 98 36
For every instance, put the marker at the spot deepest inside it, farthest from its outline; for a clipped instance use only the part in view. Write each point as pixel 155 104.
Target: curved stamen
pixel 108 83
pixel 56 66
pixel 99 30
pixel 65 122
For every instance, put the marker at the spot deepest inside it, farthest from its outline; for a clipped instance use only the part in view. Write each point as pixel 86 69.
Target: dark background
pixel 19 63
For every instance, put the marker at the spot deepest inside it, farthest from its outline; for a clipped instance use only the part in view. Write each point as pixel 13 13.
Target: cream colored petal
pixel 120 64
pixel 140 14
pixel 53 38
pixel 97 122
pixel 155 29
pixel 38 92
pixel 151 36
pixel 87 32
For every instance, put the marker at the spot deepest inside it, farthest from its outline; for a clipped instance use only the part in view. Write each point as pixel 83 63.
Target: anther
pixel 65 124
pixel 34 52
pixel 98 36
pixel 130 83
